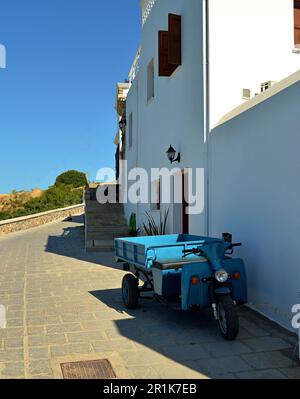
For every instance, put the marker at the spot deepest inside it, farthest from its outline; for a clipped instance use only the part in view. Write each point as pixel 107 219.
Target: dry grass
pixel 17 200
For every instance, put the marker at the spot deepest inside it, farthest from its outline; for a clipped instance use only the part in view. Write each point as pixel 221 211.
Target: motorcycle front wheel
pixel 228 318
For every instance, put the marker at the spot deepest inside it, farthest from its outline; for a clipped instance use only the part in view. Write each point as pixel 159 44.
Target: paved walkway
pixel 65 305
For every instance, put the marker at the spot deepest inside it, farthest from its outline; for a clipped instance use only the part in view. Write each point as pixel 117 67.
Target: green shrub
pixel 4 216
pixel 134 231
pixel 54 198
pixel 72 178
pixel 61 195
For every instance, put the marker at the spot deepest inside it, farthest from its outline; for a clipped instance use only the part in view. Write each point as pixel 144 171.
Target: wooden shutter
pixel 297 22
pixel 164 67
pixel 174 40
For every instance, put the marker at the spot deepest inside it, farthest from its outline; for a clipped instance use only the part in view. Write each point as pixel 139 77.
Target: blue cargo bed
pixel 143 252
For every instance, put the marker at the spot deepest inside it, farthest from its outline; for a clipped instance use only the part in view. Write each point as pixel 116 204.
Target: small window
pixel 150 83
pixel 297 22
pixel 246 94
pixel 130 131
pixel 266 86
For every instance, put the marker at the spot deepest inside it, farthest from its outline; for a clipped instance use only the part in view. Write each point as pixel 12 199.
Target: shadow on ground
pixel 71 244
pixel 172 333
pixel 75 219
pixel 192 338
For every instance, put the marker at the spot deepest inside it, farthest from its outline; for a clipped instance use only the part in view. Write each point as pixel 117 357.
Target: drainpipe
pixel 206 99
pixel 137 137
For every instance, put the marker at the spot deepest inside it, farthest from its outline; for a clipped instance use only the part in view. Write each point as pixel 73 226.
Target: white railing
pixel 147 6
pixel 135 66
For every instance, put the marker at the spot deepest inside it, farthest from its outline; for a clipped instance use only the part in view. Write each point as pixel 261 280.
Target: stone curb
pixel 38 219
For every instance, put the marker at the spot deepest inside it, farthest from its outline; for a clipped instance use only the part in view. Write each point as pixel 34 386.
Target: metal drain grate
pixel 88 370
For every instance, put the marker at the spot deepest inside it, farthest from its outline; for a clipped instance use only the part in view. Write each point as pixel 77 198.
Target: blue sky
pixel 64 58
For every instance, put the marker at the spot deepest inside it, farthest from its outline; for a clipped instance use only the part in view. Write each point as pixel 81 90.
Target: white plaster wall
pixel 251 41
pixel 254 194
pixel 175 115
pixel 132 153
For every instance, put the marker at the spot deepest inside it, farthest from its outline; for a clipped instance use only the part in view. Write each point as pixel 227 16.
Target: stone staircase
pixel 103 223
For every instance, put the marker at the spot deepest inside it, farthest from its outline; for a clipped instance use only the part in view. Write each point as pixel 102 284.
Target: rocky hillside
pixel 16 200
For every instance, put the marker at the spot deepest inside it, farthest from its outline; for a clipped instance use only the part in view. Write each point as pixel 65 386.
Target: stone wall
pixel 28 222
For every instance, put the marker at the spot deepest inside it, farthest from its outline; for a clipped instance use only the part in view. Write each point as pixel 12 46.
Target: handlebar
pixel 198 251
pixel 193 251
pixel 229 250
pixel 239 244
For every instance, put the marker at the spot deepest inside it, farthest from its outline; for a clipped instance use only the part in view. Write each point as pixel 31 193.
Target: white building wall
pixel 132 154
pixel 175 115
pixel 251 41
pixel 254 194
pixel 254 161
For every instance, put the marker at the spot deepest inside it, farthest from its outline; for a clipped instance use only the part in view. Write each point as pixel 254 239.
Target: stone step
pixel 105 237
pixel 107 208
pixel 104 212
pixel 105 226
pixel 100 249
pixel 107 229
pixel 90 203
pixel 107 215
pixel 100 246
pixel 103 223
pixel 103 208
pixel 91 193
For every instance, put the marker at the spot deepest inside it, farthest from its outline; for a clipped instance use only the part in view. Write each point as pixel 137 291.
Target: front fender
pixel 239 287
pixel 222 291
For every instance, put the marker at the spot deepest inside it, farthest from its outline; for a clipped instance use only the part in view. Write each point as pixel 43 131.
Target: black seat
pixel 174 265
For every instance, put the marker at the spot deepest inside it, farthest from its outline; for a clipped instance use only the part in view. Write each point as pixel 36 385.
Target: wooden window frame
pixel 169 47
pixel 151 80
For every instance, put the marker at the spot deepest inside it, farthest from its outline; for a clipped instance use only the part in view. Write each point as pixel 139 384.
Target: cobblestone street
pixel 63 304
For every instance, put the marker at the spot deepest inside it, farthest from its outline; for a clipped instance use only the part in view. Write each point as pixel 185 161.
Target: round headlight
pixel 221 276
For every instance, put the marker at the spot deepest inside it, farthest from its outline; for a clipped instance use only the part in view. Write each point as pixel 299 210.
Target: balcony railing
pixel 135 66
pixel 147 6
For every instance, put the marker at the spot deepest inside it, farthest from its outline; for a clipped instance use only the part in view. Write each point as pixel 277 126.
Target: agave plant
pixel 152 229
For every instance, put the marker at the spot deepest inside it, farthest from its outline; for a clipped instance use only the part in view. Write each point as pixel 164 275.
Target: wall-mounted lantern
pixel 171 153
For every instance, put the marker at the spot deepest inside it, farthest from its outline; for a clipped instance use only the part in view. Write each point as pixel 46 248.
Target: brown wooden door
pixel 185 215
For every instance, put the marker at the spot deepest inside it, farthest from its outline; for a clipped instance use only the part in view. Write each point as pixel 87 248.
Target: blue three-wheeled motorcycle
pixel 198 272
